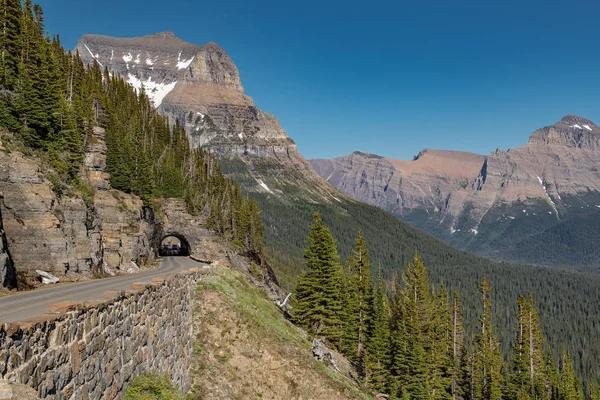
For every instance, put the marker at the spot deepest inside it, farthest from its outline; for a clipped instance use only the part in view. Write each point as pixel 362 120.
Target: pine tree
pixel 466 382
pixel 10 31
pixel 360 296
pixel 552 384
pixel 318 292
pixel 10 41
pixel 32 81
pixel 378 339
pixel 440 350
pixel 413 330
pixel 528 377
pixel 570 387
pixel 457 349
pixel 518 385
pixel 487 368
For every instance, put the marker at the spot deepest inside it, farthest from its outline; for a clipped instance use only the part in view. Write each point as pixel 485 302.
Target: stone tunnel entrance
pixel 174 244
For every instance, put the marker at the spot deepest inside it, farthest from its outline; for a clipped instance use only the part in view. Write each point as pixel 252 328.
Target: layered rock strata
pixel 64 234
pixel 468 199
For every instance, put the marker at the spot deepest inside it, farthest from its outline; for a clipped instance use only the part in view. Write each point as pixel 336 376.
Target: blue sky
pixel 390 78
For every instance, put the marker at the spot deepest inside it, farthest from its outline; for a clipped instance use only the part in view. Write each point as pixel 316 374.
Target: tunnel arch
pixel 178 247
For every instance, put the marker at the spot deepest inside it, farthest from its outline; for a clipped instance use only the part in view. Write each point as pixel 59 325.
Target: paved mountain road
pixel 21 306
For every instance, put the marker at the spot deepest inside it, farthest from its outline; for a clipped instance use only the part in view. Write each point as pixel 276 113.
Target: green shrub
pixel 86 190
pixel 152 387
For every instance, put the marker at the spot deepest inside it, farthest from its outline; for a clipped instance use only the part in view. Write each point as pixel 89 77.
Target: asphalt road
pixel 21 306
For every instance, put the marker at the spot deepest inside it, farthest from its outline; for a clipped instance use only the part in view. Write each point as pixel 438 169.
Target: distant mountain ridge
pixel 522 205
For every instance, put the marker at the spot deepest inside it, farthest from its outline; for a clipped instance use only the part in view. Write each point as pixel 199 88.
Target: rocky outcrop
pixel 94 162
pixel 92 350
pixel 68 232
pixel 8 276
pixel 15 391
pixel 65 234
pixel 79 233
pixel 485 204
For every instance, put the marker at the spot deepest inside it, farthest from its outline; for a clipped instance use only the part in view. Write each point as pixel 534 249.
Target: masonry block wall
pixel 92 350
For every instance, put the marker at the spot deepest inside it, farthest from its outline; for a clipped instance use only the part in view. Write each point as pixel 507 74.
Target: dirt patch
pixel 245 349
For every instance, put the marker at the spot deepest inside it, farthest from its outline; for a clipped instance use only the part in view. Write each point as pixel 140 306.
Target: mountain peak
pixel 570 131
pixel 165 34
pixel 365 154
pixel 212 46
pixel 572 120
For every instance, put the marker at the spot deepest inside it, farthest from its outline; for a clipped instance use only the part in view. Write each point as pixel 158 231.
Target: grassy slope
pixel 246 349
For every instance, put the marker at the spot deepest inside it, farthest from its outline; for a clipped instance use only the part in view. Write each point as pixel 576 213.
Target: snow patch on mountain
pixel 154 90
pixel 183 64
pixel 95 57
pixel 263 185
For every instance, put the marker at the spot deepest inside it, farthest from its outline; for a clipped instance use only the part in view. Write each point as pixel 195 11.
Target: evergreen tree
pixel 457 349
pixel 440 352
pixel 10 41
pixel 466 382
pixel 378 339
pixel 487 367
pixel 319 291
pixel 10 31
pixel 360 304
pixel 518 381
pixel 528 378
pixel 414 327
pixel 552 383
pixel 570 387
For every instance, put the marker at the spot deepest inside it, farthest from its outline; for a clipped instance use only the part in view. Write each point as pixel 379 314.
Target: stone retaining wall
pixel 92 350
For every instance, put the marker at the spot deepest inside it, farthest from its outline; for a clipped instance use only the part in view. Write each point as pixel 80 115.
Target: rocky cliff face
pixel 200 87
pixel 74 233
pixel 62 233
pixel 488 203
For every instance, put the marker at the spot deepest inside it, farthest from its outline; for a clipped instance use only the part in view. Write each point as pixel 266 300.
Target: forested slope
pixel 568 302
pixel 410 342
